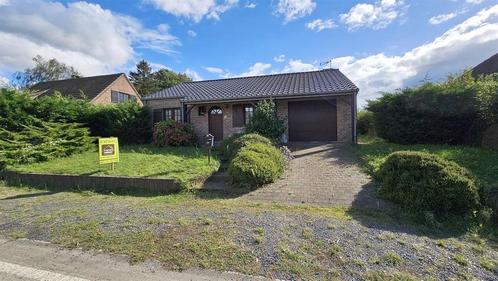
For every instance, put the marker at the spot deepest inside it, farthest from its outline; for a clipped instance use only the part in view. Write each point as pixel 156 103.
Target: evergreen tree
pixel 143 78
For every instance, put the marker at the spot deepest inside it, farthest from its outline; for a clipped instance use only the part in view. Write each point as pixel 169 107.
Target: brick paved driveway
pixel 323 175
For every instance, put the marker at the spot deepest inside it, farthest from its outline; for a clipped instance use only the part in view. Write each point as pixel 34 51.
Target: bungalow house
pixel 315 105
pixel 102 89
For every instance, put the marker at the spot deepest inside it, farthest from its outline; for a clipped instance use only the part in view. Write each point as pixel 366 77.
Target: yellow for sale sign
pixel 108 150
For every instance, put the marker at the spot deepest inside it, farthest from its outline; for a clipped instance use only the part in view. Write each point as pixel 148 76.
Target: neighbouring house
pixel 487 67
pixel 102 89
pixel 315 105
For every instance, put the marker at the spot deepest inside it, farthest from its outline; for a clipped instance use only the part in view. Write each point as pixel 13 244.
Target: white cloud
pixel 195 10
pixel 250 5
pixel 157 66
pixel 192 33
pixel 465 45
pixel 280 58
pixel 86 36
pixel 475 2
pixel 374 16
pixel 4 82
pixel 193 74
pixel 214 70
pixel 298 66
pixel 258 68
pixel 441 18
pixel 320 24
pixel 294 9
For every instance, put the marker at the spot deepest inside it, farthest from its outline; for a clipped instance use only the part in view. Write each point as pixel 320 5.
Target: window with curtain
pixel 161 114
pixel 248 113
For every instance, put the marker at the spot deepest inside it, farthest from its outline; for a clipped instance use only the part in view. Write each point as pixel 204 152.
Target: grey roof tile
pixel 328 81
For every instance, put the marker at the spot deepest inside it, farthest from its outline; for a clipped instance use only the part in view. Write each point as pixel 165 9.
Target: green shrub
pixel 490 198
pixel 256 164
pixel 172 133
pixel 365 122
pixel 455 111
pixel 424 182
pixel 128 121
pixel 232 146
pixel 227 144
pixel 265 121
pixel 3 162
pixel 43 141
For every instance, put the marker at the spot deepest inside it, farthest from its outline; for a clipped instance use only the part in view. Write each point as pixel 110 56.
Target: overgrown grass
pixel 185 164
pixel 481 162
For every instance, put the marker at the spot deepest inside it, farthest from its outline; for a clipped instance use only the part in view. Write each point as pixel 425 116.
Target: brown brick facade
pixel 121 85
pixel 201 122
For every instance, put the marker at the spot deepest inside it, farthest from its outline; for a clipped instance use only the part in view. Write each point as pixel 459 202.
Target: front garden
pixel 186 164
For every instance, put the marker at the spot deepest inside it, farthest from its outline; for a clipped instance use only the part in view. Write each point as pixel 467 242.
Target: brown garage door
pixel 313 120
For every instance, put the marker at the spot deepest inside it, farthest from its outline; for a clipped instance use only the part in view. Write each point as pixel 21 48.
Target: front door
pixel 216 123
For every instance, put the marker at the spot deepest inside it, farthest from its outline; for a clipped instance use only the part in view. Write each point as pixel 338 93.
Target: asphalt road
pixel 25 260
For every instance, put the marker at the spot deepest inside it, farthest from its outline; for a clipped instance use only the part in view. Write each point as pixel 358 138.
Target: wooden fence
pixel 118 185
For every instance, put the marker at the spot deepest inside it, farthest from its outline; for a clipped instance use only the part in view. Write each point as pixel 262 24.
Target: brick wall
pixel 122 85
pixel 201 122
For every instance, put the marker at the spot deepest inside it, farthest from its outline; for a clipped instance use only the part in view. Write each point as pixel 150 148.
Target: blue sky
pixel 381 45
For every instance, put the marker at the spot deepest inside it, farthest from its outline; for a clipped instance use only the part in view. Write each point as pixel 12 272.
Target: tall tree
pixel 165 78
pixel 143 78
pixel 146 81
pixel 44 70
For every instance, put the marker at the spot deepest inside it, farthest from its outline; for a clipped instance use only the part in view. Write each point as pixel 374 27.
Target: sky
pixel 381 45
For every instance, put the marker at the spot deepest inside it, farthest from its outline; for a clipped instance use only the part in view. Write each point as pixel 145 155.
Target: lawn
pixel 481 162
pixel 185 164
pixel 198 230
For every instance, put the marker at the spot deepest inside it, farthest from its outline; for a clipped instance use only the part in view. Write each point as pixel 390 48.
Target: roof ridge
pixel 265 75
pixel 76 78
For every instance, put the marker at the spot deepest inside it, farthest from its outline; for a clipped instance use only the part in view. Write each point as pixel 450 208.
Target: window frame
pixel 245 111
pixel 119 97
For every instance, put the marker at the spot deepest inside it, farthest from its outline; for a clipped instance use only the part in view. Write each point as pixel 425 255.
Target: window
pixel 167 113
pixel 118 97
pixel 202 110
pixel 241 114
pixel 248 113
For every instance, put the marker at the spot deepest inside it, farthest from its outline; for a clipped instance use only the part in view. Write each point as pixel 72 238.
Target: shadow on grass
pixel 29 195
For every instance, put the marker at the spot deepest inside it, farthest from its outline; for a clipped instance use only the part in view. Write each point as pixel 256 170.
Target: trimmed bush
pixel 232 146
pixel 3 164
pixel 172 133
pixel 256 164
pixel 424 182
pixel 490 198
pixel 227 144
pixel 265 121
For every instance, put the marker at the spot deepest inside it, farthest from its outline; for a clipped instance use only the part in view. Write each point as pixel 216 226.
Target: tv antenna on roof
pixel 327 62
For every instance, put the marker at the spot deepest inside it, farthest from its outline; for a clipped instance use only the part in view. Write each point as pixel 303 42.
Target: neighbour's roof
pixel 486 67
pixel 75 87
pixel 327 81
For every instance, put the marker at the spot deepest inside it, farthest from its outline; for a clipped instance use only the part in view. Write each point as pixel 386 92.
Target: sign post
pixel 108 151
pixel 210 144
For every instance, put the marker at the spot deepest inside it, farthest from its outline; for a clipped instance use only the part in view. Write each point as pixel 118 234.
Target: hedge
pixel 424 182
pixel 256 164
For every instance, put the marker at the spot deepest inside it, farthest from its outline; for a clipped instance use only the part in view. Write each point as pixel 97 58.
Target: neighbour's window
pixel 248 113
pixel 118 97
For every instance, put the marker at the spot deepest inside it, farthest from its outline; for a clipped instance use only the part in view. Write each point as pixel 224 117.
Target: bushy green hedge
pixel 128 121
pixel 172 133
pixel 43 141
pixel 424 182
pixel 232 145
pixel 455 111
pixel 256 164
